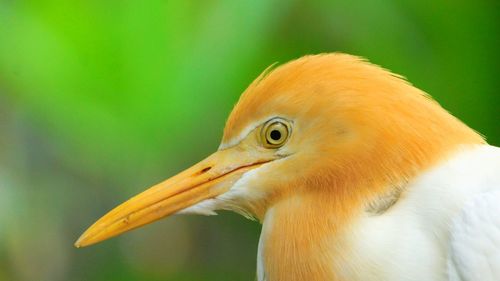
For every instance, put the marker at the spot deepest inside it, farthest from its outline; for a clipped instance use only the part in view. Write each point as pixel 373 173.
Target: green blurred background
pixel 100 99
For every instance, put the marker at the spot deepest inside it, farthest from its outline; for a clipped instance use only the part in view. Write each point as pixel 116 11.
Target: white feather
pixel 475 240
pixel 206 208
pixel 411 241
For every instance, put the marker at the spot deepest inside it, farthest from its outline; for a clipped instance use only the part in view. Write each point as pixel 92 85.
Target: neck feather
pixel 296 240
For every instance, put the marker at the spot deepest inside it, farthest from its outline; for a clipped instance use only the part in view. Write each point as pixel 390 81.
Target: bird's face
pixel 331 126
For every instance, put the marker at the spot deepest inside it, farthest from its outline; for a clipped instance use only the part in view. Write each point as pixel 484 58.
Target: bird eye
pixel 275 133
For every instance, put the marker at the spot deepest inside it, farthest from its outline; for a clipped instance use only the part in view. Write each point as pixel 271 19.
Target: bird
pixel 354 174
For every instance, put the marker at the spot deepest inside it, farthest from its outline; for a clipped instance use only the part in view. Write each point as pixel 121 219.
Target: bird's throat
pixel 298 241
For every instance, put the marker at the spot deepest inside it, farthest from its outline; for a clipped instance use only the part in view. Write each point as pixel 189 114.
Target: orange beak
pixel 207 179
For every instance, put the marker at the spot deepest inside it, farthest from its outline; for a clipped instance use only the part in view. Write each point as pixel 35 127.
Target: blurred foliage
pixel 99 99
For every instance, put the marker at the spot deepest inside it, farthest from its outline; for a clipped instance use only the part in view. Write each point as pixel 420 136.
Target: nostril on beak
pixel 205 170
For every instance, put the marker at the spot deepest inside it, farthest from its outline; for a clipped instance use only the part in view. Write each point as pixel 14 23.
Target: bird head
pixel 330 130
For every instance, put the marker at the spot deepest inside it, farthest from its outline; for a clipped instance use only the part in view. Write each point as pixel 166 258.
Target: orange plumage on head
pixel 373 125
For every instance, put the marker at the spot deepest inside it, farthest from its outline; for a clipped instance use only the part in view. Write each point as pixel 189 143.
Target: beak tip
pixel 80 243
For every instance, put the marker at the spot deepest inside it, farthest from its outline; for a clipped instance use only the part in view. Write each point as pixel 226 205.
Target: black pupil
pixel 275 135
